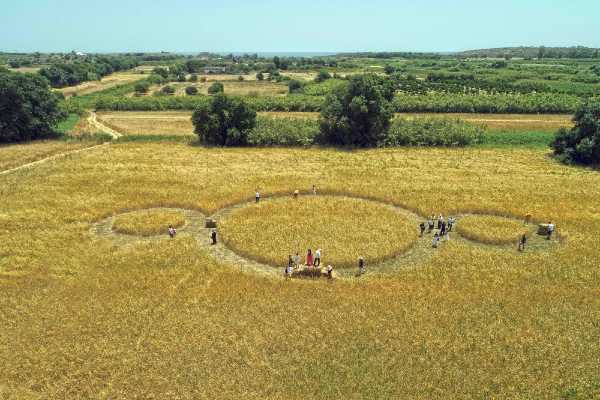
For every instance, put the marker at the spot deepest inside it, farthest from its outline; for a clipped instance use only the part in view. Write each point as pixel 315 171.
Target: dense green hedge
pixel 260 103
pixel 532 103
pixel 283 132
pixel 432 132
pixel 403 132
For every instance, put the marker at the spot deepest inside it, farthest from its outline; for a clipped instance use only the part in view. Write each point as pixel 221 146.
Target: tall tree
pixel 359 113
pixel 28 108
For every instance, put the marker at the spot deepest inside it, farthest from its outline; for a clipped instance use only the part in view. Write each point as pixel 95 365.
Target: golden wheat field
pixel 82 317
pixel 15 155
pixel 148 223
pixel 492 229
pixel 343 228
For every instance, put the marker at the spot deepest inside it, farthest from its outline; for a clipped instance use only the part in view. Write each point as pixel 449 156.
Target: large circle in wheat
pixel 343 228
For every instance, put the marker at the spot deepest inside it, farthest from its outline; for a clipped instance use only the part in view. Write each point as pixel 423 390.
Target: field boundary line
pixel 51 158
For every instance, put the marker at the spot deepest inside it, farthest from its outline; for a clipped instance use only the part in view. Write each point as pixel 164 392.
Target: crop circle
pixel 148 222
pixel 344 228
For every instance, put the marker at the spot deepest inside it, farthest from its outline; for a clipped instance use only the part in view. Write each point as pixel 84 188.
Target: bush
pixel 162 72
pixel 322 76
pixel 191 90
pixel 193 78
pixel 260 76
pixel 202 79
pixel 359 113
pixel 142 87
pixel 294 86
pixel 283 132
pixel 224 121
pixel 168 90
pixel 581 144
pixel 432 131
pixel 240 78
pixel 215 88
pixel 28 109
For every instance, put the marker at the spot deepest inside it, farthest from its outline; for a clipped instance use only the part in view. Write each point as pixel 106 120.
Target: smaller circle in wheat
pixel 148 222
pixel 343 228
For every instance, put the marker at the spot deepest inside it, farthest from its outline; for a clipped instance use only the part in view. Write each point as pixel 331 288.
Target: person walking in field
pixel 439 221
pixel 443 228
pixel 296 194
pixel 361 265
pixel 451 222
pixel 329 272
pixel 172 231
pixel 257 196
pixel 422 228
pixel 430 223
pixel 551 228
pixel 318 258
pixel 289 267
pixel 213 236
pixel 314 190
pixel 522 242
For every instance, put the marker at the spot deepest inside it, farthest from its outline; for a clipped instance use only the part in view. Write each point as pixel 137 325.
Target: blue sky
pixel 306 25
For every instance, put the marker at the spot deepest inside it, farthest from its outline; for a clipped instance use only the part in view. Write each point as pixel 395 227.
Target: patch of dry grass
pixel 344 228
pixel 14 155
pixel 149 123
pixel 509 122
pixel 492 229
pixel 148 223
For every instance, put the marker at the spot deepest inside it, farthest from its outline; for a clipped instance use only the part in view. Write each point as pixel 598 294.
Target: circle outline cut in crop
pixel 146 223
pixel 343 227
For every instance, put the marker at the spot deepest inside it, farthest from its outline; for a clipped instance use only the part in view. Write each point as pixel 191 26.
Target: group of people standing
pixel 312 264
pixel 444 227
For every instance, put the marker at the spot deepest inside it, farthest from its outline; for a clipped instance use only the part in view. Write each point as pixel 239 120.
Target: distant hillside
pixel 534 52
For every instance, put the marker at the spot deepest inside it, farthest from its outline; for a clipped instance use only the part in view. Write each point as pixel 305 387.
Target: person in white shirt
pixel 257 196
pixel 297 261
pixel 317 258
pixel 329 271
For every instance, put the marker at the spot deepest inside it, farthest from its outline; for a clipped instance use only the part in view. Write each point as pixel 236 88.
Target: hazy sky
pixel 301 25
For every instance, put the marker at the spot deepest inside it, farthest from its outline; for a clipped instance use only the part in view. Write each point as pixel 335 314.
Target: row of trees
pixel 357 114
pixel 70 74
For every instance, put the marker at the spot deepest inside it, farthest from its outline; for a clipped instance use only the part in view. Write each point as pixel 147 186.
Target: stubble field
pixel 82 317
